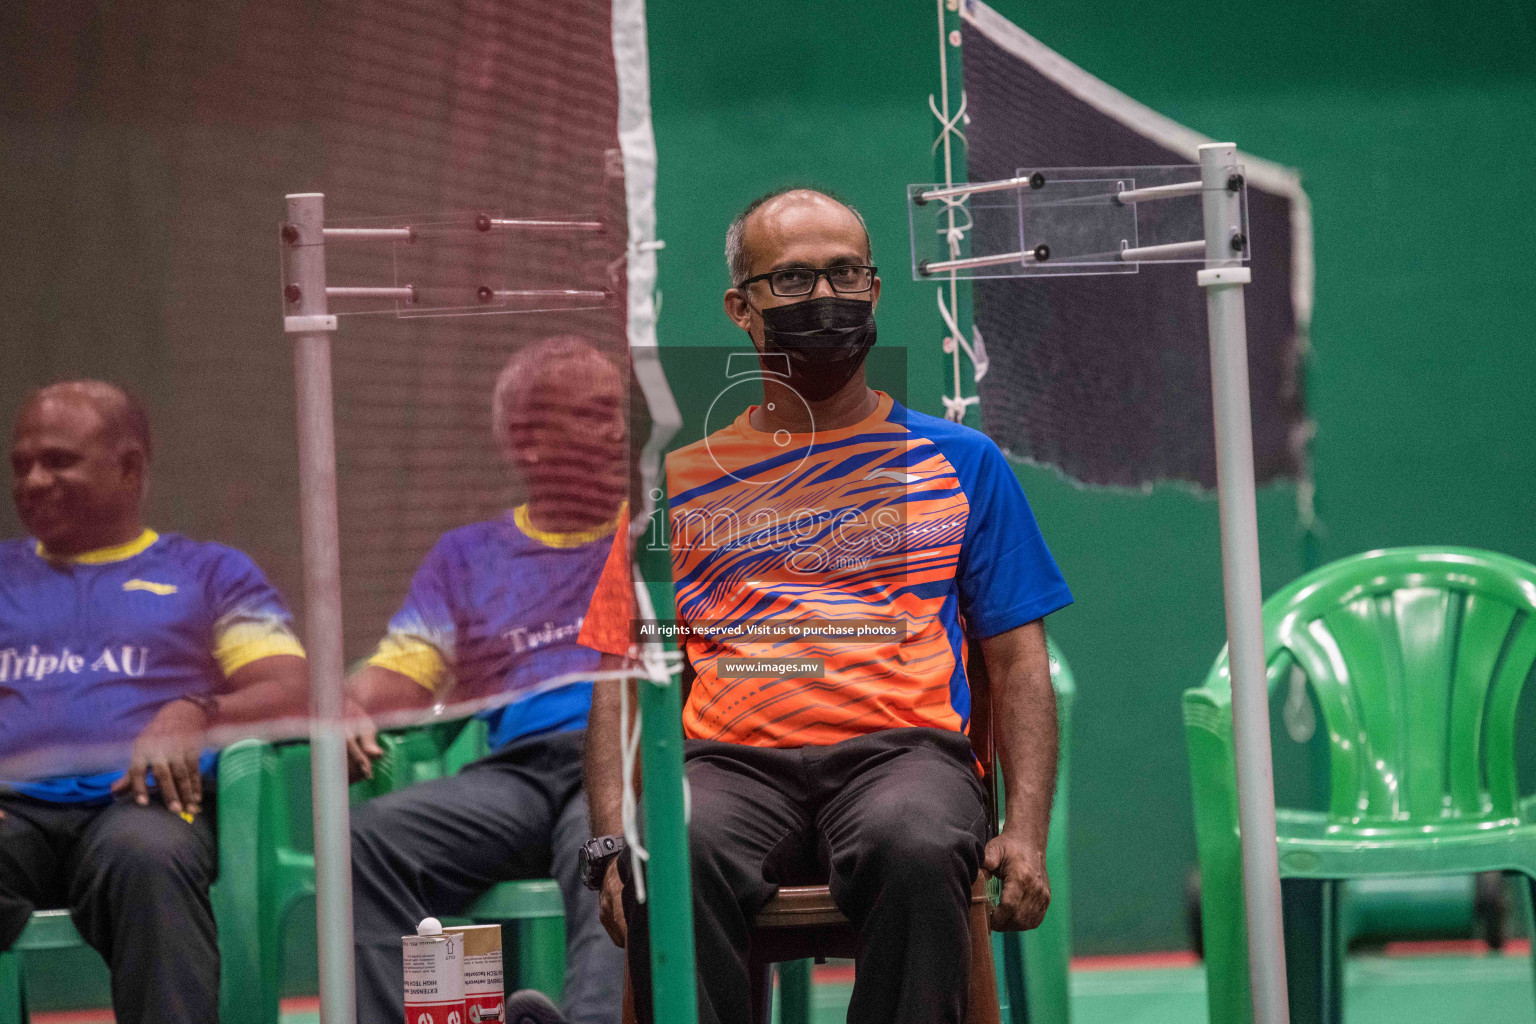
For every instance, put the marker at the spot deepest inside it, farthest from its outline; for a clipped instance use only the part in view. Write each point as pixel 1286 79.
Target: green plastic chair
pixel 261 877
pixel 1033 966
pixel 535 907
pixel 1416 657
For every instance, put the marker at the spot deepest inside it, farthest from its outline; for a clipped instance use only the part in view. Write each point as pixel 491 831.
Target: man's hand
pixel 1026 888
pixel 169 746
pixel 376 691
pixel 611 901
pixel 1024 724
pixel 362 742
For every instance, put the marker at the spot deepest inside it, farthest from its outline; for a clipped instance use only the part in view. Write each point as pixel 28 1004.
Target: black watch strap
pixel 208 702
pixel 595 856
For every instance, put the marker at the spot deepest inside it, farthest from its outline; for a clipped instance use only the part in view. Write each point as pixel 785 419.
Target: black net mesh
pixel 150 147
pixel 148 152
pixel 1108 378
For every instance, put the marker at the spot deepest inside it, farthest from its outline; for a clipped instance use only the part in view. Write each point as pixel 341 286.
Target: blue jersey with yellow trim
pixel 91 647
pixel 495 609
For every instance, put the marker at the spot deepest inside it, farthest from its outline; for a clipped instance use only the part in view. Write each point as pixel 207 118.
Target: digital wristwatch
pixel 594 857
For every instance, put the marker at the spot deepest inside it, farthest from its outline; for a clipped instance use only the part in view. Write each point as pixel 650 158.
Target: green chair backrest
pixel 1061 676
pixel 1066 693
pixel 1417 657
pixel 421 753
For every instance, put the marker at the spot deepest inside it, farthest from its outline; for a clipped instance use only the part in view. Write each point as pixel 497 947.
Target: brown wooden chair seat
pixel 802 923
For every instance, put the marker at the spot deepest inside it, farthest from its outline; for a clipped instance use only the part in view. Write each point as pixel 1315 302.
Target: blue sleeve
pixel 428 612
pixel 1007 575
pixel 238 587
pixel 250 620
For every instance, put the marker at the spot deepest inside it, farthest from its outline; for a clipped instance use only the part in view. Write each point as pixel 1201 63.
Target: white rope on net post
pixel 947 124
pixel 629 751
pixel 955 343
pixel 949 133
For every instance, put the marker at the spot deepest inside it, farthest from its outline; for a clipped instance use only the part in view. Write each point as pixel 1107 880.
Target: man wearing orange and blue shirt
pixel 830 501
pixel 119 649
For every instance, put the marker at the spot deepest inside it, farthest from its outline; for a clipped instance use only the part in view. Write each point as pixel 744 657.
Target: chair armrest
pixel 247 777
pixel 244 768
pixel 1212 763
pixel 48 929
pixel 1213 785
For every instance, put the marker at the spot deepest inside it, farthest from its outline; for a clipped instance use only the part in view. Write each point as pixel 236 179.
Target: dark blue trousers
pixel 433 849
pixel 135 881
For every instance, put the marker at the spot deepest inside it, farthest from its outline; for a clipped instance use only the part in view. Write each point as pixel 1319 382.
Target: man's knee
pixel 712 828
pixel 375 827
pixel 905 853
pixel 378 824
pixel 725 866
pixel 368 822
pixel 149 844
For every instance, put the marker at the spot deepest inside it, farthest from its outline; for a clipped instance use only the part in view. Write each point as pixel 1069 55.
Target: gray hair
pixel 525 366
pixel 737 260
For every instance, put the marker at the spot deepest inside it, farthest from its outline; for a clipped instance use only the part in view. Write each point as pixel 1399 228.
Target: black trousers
pixel 135 880
pixel 896 820
pixel 433 849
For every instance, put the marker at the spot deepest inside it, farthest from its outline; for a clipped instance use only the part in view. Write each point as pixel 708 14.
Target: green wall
pixel 1413 124
pixel 1414 127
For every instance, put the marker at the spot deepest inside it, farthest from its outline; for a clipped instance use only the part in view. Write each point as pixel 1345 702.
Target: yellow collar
pixel 550 538
pixel 101 556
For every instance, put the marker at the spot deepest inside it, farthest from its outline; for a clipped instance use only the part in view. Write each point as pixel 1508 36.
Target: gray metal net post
pixel 1086 220
pixel 1223 281
pixel 310 326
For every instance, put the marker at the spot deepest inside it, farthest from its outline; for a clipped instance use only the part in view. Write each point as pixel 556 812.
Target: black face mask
pixel 825 339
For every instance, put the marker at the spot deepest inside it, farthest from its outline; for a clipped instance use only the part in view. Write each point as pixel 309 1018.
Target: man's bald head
pixel 565 369
pixel 123 418
pixel 558 413
pixel 776 211
pixel 79 462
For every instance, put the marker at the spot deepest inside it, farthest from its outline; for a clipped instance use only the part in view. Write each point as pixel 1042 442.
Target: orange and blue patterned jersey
pixel 94 645
pixel 495 609
pixel 901 519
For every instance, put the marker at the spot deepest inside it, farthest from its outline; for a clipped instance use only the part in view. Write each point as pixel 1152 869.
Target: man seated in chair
pixel 119 649
pixel 832 501
pixel 495 610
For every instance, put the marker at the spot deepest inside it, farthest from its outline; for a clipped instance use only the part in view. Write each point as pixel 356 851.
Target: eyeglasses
pixel 802 280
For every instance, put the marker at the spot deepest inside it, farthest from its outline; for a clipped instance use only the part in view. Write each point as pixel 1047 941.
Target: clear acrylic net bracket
pixel 1062 221
pixel 456 264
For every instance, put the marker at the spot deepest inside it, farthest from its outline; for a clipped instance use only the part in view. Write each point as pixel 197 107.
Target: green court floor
pixel 1435 989
pixel 1378 990
pixel 1488 989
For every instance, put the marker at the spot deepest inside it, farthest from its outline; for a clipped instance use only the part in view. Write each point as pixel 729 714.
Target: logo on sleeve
pixel 163 589
pixel 894 475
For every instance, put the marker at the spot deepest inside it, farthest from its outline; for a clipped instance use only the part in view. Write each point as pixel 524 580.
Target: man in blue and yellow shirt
pixel 492 616
pixel 119 649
